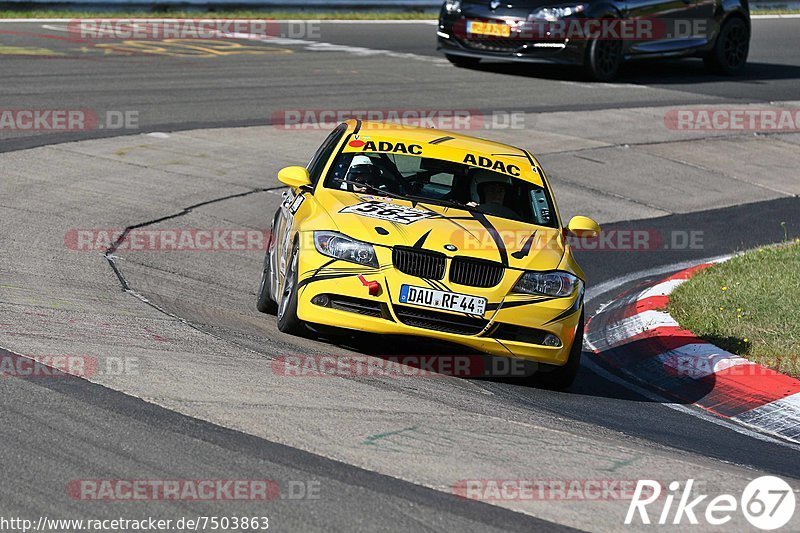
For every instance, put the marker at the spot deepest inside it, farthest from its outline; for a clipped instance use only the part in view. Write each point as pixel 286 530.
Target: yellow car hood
pixel 442 229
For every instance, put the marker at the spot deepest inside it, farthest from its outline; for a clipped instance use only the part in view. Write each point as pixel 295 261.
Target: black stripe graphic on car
pixel 437 216
pixel 438 285
pixel 533 165
pixel 321 277
pixel 504 346
pixel 574 308
pixel 498 240
pixel 422 239
pixel 517 303
pixel 526 248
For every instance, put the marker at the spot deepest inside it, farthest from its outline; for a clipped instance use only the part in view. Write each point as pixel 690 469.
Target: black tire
pixel 463 61
pixel 731 48
pixel 603 60
pixel 287 306
pixel 561 377
pixel 265 303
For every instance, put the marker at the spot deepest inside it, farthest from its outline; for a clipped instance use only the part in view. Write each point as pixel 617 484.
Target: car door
pixel 673 26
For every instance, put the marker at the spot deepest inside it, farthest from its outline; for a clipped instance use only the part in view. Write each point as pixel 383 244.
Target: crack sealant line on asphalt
pixel 111 259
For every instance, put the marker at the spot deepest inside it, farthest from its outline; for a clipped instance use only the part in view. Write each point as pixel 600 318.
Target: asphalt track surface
pixel 180 91
pixel 62 429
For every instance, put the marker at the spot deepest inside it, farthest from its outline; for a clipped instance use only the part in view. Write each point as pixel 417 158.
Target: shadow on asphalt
pixel 427 354
pixel 649 72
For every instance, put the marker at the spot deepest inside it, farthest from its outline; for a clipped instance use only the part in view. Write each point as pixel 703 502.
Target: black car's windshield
pixel 442 182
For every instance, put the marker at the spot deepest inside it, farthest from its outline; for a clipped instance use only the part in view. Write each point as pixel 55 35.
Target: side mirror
pixel 581 226
pixel 294 177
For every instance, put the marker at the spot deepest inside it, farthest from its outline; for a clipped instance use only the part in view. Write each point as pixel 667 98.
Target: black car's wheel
pixel 462 61
pixel 731 48
pixel 287 306
pixel 603 59
pixel 265 303
pixel 561 377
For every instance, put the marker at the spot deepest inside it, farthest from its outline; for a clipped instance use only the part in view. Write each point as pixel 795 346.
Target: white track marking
pixel 689 410
pixel 780 416
pixel 662 289
pixel 606 286
pixel 621 332
pixel 772 17
pixel 314 46
pixel 590 85
pixel 744 427
pixel 699 360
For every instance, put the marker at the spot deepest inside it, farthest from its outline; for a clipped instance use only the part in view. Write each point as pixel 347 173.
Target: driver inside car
pixel 489 191
pixel 363 175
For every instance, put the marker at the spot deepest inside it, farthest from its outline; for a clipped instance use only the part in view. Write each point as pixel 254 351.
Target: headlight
pixel 343 247
pixel 556 284
pixel 557 12
pixel 451 6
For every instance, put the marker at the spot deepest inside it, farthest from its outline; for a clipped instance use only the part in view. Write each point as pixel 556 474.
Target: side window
pixel 541 209
pixel 323 154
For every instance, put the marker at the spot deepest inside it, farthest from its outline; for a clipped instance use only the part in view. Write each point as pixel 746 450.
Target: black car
pixel 596 34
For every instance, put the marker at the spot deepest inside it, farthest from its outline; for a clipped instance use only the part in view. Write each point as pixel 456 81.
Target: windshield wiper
pixel 372 188
pixel 408 197
pixel 446 202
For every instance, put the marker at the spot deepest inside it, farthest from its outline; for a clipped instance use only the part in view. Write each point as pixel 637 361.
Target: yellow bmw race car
pixel 401 230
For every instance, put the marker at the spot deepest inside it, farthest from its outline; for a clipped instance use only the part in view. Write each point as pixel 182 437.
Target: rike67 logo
pixel 767 503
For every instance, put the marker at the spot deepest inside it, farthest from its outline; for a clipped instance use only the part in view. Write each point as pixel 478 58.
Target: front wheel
pixel 287 308
pixel 264 302
pixel 463 61
pixel 731 48
pixel 561 377
pixel 603 60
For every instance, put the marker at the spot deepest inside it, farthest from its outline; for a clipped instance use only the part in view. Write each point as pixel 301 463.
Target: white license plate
pixel 449 301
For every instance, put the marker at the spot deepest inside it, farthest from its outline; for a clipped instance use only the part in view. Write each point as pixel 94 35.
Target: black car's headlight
pixel 343 247
pixel 556 284
pixel 557 12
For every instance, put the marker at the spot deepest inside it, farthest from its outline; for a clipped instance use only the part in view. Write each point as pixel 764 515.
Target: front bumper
pixel 452 40
pixel 513 326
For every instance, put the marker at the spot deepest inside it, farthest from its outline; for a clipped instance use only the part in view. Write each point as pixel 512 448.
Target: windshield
pixel 441 182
